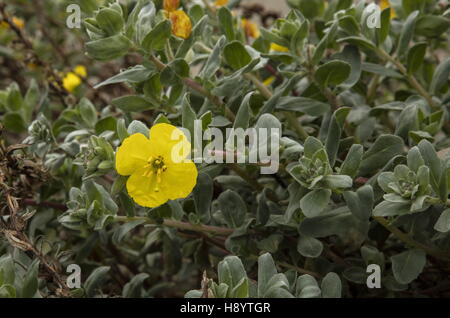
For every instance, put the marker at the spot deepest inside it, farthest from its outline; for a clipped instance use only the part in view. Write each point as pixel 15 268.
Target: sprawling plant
pixel 353 96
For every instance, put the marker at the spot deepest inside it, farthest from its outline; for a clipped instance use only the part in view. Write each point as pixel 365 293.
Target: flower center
pixel 155 166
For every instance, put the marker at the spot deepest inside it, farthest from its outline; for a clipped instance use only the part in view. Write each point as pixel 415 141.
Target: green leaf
pixel 14 101
pixel 432 26
pixel 124 229
pixel 133 289
pixel 233 208
pixel 212 64
pixel 309 246
pixel 108 48
pixel 136 127
pixel 307 287
pixel 32 100
pixel 132 103
pixel 243 114
pixel 385 25
pixel 352 56
pixel 408 265
pixel 384 149
pixel 110 21
pixel 315 202
pixel 236 55
pixel 387 208
pixel 30 281
pixel 440 76
pixel 334 132
pixel 360 202
pixel 443 223
pixel 351 164
pixel 360 42
pixel 332 73
pixel 203 194
pixel 305 105
pixel 134 74
pixel 407 33
pixel 226 23
pixel 14 122
pixel 95 280
pixel 88 112
pixel 331 286
pixel 432 161
pixel 157 38
pixel 266 270
pixel 188 116
pixel 416 55
pixel 231 272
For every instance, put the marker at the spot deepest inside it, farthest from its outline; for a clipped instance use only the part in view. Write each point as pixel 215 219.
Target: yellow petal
pixel 181 24
pixel 18 22
pixel 71 81
pixel 142 190
pixel 169 142
pixel 250 28
pixel 220 3
pixel 278 48
pixel 179 179
pixel 80 70
pixel 269 80
pixel 133 154
pixel 171 5
pixel 386 4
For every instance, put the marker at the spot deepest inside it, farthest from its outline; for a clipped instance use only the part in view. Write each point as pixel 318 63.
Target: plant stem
pixel 411 79
pixel 198 88
pixel 405 238
pixel 222 231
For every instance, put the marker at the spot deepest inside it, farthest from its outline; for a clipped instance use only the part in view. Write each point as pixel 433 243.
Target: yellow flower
pixel 171 5
pixel 18 22
pixel 71 81
pixel 181 24
pixel 386 4
pixel 250 28
pixel 80 70
pixel 220 3
pixel 278 48
pixel 158 168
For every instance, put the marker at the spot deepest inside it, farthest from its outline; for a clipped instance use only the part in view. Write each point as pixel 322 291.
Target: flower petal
pixel 179 179
pixel 142 190
pixel 133 154
pixel 169 142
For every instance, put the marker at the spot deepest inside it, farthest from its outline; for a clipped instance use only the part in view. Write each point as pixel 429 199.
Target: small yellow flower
pixel 18 22
pixel 221 3
pixel 250 28
pixel 71 81
pixel 158 168
pixel 181 24
pixel 171 5
pixel 278 48
pixel 386 4
pixel 80 70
